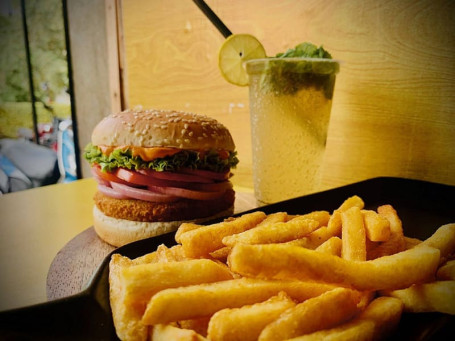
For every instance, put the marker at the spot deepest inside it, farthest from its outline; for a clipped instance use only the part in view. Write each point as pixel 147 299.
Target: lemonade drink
pixel 290 104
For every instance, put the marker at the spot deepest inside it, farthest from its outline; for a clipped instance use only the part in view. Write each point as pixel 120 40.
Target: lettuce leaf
pixel 184 159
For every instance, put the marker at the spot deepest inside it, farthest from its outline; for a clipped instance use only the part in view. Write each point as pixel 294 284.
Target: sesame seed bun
pixel 160 128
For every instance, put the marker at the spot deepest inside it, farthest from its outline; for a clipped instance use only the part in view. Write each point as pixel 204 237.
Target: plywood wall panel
pixel 394 105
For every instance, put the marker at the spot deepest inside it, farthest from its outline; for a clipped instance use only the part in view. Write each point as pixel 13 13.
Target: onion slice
pixel 110 192
pixel 143 194
pixel 187 193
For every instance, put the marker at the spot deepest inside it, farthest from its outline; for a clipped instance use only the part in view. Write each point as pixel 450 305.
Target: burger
pixel 156 169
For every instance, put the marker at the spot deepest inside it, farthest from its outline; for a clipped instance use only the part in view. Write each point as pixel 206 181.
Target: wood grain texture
pixel 394 105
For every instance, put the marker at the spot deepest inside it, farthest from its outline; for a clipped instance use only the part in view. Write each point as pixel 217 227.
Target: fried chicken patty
pixel 140 210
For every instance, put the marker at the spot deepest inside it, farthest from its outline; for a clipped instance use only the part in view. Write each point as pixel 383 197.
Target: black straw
pixel 213 18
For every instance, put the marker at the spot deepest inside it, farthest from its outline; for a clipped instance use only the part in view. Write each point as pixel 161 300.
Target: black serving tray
pixel 422 207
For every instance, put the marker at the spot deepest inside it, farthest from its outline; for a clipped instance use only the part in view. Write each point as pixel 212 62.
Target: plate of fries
pixel 369 261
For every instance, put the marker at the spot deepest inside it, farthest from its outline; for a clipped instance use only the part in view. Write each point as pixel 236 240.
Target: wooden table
pixel 46 236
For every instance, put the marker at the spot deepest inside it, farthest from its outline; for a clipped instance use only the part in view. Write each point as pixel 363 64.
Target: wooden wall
pixel 394 105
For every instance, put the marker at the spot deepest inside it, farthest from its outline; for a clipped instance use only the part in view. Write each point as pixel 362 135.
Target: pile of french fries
pixel 344 275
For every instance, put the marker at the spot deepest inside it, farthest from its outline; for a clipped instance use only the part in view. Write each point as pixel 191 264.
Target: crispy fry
pixel 141 282
pixel 331 246
pixel 293 262
pixel 385 312
pixel 201 241
pixel 199 325
pixel 446 271
pixel 206 299
pixel 355 200
pixel 443 239
pixel 359 331
pixel 377 228
pixel 396 242
pixel 428 297
pixel 353 235
pixel 333 228
pixel 374 323
pixel 411 242
pixel 274 233
pixel 325 311
pixel 277 217
pixel 221 254
pixel 185 227
pixel 247 322
pixel 166 332
pixel 127 320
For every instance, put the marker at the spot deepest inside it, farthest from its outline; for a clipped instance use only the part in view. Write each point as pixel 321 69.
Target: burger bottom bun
pixel 118 232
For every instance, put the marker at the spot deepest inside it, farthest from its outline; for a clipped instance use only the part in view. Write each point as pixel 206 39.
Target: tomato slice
pixel 207 174
pixel 176 176
pixel 107 176
pixel 137 178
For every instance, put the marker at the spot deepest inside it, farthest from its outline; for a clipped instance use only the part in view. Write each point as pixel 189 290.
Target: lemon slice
pixel 235 51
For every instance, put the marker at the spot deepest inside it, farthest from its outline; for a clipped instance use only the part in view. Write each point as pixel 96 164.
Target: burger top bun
pixel 160 128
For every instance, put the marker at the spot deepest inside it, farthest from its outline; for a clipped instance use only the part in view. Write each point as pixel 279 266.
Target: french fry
pixel 314 239
pixel 325 311
pixel 385 312
pixel 166 332
pixel 396 242
pixel 199 325
pixel 279 276
pixel 246 323
pixel 377 228
pixel 205 239
pixel 185 227
pixel 206 299
pixel 141 282
pixel 127 320
pixel 333 228
pixel 274 233
pixel 353 235
pixel 331 246
pixel 443 239
pixel 446 271
pixel 277 217
pixel 436 296
pixel 279 261
pixel 355 200
pixel 358 331
pixel 221 254
pixel 375 323
pixel 411 242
